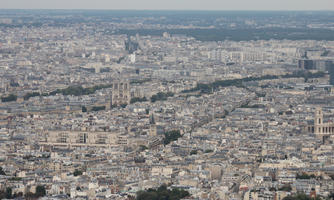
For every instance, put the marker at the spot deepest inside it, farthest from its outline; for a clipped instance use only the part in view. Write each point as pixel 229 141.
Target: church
pixel 320 128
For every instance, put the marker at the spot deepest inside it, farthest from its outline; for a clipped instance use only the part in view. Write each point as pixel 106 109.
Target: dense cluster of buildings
pixel 91 115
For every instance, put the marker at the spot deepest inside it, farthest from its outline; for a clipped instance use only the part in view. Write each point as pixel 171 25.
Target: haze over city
pixel 171 4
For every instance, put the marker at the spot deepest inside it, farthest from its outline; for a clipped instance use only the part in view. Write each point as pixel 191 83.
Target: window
pixel 62 137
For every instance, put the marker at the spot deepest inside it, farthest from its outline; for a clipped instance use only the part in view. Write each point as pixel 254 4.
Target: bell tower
pixel 153 127
pixel 318 121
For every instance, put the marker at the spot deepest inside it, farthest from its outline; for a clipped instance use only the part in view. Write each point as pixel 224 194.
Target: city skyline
pixel 147 104
pixel 170 5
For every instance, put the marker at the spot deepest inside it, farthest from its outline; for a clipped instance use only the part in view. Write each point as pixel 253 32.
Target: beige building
pixel 120 93
pixel 319 128
pixel 83 138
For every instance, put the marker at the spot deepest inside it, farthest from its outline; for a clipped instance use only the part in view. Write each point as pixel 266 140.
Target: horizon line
pixel 186 10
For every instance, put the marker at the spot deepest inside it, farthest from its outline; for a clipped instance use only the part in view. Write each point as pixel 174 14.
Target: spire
pixel 152 121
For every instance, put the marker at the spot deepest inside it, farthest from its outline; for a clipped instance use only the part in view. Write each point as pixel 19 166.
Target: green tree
pixel 77 172
pixel 137 99
pixel 162 193
pixel 306 176
pixel 160 96
pixel 300 196
pixel 8 193
pixel 208 151
pixel 16 195
pixel 29 95
pixel 11 97
pixel 286 188
pixel 98 108
pixel 143 147
pixel 40 191
pixel 2 172
pixel 171 136
pixel 193 152
pixel 83 109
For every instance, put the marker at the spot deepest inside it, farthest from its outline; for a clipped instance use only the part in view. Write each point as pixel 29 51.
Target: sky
pixel 170 4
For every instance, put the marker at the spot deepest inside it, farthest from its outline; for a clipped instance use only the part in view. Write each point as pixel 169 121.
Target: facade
pixel 306 64
pixel 331 73
pixel 322 65
pixel 319 128
pixel 83 138
pixel 120 93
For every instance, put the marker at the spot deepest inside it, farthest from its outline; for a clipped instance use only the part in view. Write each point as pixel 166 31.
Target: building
pixel 153 127
pixel 320 128
pixel 133 58
pixel 306 64
pixel 330 67
pixel 82 139
pixel 321 65
pixel 120 93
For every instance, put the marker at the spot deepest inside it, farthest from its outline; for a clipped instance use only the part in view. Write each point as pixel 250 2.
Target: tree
pixel 30 195
pixel 2 172
pixel 171 136
pixel 137 99
pixel 11 97
pixel 40 191
pixel 143 147
pixel 83 109
pixel 160 96
pixel 77 172
pixel 162 193
pixel 306 176
pixel 193 152
pixel 98 108
pixel 286 188
pixel 208 151
pixel 16 195
pixel 29 95
pixel 146 196
pixel 300 196
pixel 8 193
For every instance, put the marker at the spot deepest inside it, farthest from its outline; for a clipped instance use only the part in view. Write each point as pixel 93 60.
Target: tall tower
pixel 330 68
pixel 153 127
pixel 318 121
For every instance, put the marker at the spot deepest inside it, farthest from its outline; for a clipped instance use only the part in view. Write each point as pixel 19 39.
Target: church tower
pixel 153 127
pixel 318 121
pixel 120 93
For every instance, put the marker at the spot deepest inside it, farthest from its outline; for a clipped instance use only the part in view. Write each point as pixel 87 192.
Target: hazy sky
pixel 172 4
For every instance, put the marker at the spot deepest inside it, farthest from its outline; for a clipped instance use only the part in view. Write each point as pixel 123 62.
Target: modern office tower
pixel 120 93
pixel 331 72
